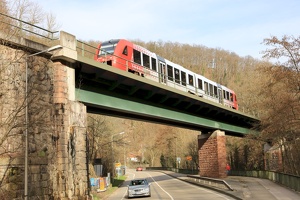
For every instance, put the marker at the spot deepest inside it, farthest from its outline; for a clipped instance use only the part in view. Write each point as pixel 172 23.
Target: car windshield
pixel 138 182
pixel 108 47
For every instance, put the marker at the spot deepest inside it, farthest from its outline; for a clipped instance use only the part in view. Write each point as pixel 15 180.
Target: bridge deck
pixel 111 91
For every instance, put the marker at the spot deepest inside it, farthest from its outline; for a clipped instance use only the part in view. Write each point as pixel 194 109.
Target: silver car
pixel 139 187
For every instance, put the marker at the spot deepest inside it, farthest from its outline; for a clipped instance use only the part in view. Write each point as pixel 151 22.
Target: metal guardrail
pixel 177 170
pixel 193 178
pixel 290 181
pixel 209 181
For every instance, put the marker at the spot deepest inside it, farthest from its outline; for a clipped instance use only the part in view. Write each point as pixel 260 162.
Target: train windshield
pixel 108 47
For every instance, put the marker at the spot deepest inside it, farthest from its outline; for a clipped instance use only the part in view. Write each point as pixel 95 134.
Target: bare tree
pixel 29 15
pixel 281 121
pixel 13 99
pixel 51 23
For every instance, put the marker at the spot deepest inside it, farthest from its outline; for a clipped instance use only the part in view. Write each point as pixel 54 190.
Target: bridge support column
pixel 212 154
pixel 69 165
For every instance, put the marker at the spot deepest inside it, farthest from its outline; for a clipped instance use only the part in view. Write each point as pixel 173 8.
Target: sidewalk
pixel 249 188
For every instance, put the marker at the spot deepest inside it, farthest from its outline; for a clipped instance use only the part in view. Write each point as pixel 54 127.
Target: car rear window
pixel 138 182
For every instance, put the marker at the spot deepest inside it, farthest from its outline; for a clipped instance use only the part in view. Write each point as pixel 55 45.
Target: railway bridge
pixel 46 92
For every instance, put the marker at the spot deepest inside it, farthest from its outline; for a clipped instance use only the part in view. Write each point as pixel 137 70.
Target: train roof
pixel 112 41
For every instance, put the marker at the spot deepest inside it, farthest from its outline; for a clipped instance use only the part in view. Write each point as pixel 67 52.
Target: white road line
pixel 124 195
pixel 161 187
pixel 126 189
pixel 200 188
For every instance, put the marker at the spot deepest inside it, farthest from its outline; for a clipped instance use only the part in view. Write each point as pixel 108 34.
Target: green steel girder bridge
pixel 110 91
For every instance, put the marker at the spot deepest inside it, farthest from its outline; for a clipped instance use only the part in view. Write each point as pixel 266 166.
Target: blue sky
pixel 237 26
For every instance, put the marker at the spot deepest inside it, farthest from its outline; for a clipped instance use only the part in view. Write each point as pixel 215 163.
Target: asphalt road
pixel 165 187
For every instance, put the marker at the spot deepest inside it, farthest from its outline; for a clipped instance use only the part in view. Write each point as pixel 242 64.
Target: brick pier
pixel 212 154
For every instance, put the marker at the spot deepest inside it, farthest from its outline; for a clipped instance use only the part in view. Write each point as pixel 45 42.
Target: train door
pixel 162 73
pixel 220 94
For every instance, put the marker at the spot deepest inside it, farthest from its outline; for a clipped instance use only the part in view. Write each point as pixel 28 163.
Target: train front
pixel 105 52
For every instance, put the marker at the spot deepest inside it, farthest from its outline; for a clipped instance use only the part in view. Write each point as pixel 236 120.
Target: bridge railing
pixel 86 50
pixel 14 27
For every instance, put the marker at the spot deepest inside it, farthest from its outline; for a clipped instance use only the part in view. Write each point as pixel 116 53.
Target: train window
pixel 107 48
pixel 206 87
pixel 125 51
pixel 200 84
pixel 177 76
pixel 191 80
pixel 136 56
pixel 146 61
pixel 224 94
pixel 211 92
pixel 231 97
pixel 227 95
pixel 170 72
pixel 183 78
pixel 215 91
pixel 153 60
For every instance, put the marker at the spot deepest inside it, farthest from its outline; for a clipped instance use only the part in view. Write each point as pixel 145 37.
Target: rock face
pixel 56 129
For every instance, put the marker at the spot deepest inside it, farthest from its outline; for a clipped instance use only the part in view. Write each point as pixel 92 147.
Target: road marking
pixel 160 187
pixel 200 188
pixel 133 174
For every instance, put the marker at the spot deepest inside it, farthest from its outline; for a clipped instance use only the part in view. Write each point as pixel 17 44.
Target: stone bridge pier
pixel 56 123
pixel 68 164
pixel 212 154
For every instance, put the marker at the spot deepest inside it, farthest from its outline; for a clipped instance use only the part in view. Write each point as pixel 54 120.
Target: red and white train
pixel 133 58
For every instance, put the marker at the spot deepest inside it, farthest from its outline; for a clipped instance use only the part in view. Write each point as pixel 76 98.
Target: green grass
pixel 118 181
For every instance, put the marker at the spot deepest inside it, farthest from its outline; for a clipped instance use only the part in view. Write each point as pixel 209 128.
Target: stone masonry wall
pixel 56 130
pixel 12 124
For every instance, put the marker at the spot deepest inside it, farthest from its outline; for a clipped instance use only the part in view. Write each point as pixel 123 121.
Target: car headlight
pixel 130 191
